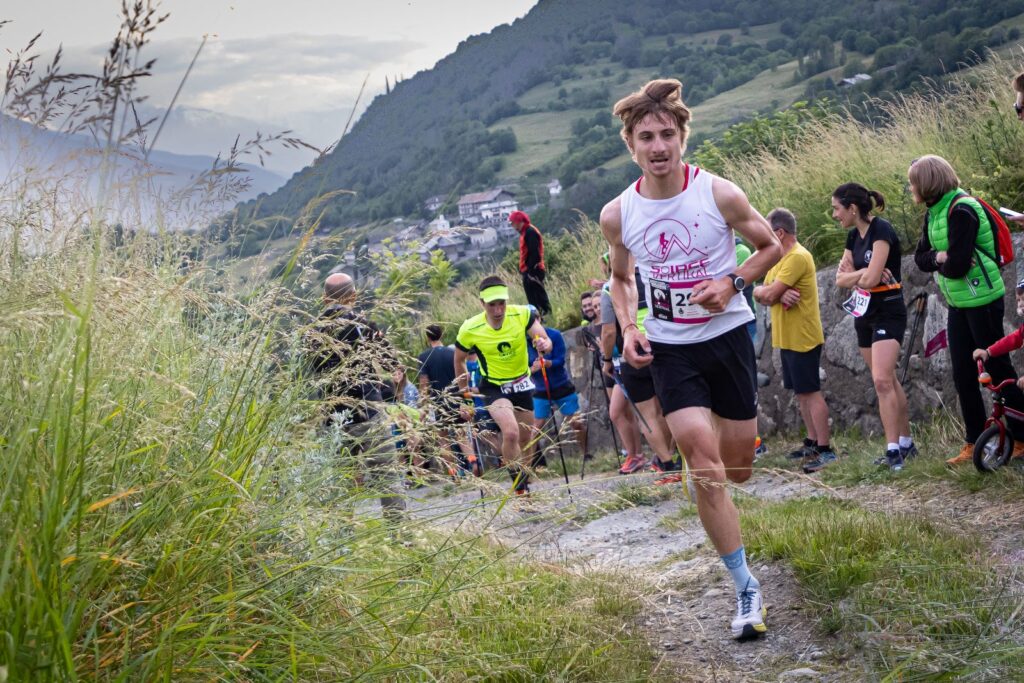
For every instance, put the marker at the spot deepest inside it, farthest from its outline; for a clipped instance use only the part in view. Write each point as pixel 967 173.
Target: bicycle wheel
pixel 988 455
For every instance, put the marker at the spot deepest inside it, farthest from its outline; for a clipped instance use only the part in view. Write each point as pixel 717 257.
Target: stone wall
pixel 847 387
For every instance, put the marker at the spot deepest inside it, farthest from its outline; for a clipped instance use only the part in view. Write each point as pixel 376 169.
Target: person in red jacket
pixel 531 261
pixel 1010 342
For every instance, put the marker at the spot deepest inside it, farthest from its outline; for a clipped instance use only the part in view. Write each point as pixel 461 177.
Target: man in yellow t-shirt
pixel 790 288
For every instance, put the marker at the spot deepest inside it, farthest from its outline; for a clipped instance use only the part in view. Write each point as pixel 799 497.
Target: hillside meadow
pixel 968 119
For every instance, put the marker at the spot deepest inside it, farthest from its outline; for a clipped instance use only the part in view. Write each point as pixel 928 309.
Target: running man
pixel 498 336
pixel 696 343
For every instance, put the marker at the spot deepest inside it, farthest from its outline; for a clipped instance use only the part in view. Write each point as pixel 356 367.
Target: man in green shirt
pixel 791 290
pixel 498 336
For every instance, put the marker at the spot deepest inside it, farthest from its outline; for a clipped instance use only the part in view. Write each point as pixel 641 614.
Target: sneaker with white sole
pixel 750 614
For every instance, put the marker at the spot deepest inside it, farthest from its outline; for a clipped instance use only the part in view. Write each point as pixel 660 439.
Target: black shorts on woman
pixel 885 319
pixel 886 316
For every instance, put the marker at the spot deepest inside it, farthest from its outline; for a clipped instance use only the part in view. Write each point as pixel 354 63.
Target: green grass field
pixel 541 137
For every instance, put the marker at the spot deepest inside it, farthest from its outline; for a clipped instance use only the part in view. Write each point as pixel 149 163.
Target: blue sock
pixel 736 563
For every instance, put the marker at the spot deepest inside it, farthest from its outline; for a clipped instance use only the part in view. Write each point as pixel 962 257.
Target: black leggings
pixel 978 328
pixel 533 285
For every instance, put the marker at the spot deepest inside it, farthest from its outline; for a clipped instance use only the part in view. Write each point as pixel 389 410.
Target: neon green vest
pixel 982 284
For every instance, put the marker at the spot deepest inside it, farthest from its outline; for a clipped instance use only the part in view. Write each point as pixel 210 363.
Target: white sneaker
pixel 750 614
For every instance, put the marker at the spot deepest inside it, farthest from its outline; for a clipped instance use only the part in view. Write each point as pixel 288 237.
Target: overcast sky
pixel 294 62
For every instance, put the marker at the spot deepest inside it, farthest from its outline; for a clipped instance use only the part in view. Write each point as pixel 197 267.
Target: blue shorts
pixel 567 405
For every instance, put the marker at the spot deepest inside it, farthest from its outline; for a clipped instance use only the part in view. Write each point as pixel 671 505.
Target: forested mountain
pixel 530 101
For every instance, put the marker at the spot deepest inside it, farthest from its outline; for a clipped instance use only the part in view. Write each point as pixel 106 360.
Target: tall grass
pixel 968 120
pixel 171 508
pixel 171 512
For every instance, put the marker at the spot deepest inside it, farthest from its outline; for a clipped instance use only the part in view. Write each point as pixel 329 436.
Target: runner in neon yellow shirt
pixel 499 336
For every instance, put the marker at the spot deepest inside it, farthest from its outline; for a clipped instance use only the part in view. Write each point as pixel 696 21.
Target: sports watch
pixel 738 283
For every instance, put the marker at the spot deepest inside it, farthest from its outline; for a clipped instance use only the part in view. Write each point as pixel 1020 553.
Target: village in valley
pixel 480 228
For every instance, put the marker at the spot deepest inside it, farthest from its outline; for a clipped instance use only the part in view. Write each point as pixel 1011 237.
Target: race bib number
pixel 524 383
pixel 670 301
pixel 857 304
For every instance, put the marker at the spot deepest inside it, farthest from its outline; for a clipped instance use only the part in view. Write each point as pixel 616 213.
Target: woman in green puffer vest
pixel 958 246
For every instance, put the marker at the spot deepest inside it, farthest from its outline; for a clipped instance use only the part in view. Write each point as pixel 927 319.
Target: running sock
pixel 736 563
pixel 892 446
pixel 822 447
pixel 905 442
pixel 809 443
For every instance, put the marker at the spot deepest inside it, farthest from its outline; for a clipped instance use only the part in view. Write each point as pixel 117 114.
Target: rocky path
pixel 651 537
pixel 660 550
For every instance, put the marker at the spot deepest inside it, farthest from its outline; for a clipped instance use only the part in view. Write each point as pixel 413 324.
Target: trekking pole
pixel 586 419
pixel 611 426
pixel 919 303
pixel 551 404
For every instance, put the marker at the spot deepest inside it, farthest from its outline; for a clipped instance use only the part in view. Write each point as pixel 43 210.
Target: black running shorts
pixel 492 392
pixel 720 374
pixel 800 370
pixel 881 323
pixel 637 381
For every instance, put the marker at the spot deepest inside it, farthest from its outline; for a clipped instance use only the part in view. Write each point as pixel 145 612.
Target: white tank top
pixel 678 242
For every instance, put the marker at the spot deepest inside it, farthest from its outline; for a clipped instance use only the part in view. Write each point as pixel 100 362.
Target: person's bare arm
pixel 607 347
pixel 872 275
pixel 846 276
pixel 732 203
pixel 769 295
pixel 540 338
pixel 461 374
pixel 636 351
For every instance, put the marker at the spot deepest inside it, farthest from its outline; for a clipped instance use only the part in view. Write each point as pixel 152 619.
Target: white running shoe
pixel 750 614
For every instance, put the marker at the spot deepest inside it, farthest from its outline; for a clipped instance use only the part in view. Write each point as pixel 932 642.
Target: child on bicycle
pixel 1010 342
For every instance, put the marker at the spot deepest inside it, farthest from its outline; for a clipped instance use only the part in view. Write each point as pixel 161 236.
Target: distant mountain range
pixel 195 131
pixel 25 148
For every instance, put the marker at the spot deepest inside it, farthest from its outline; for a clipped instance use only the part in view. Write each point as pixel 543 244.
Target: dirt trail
pixel 661 550
pixel 688 597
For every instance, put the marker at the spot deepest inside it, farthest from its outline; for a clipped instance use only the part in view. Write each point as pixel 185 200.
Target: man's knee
pixel 739 474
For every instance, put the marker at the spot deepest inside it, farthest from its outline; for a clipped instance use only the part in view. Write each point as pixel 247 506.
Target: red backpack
pixel 1000 233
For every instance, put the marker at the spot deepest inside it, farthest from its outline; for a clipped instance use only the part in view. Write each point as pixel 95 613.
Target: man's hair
pixel 434 332
pixel 932 176
pixel 782 219
pixel 662 98
pixel 586 295
pixel 1018 83
pixel 337 288
pixel 491 281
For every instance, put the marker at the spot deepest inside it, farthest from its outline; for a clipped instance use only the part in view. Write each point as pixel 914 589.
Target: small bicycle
pixel 995 445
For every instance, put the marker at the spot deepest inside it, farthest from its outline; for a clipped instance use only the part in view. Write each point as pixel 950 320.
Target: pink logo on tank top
pixel 665 237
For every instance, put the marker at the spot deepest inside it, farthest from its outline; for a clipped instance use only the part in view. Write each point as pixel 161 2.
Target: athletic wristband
pixel 629 325
pixel 606 360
